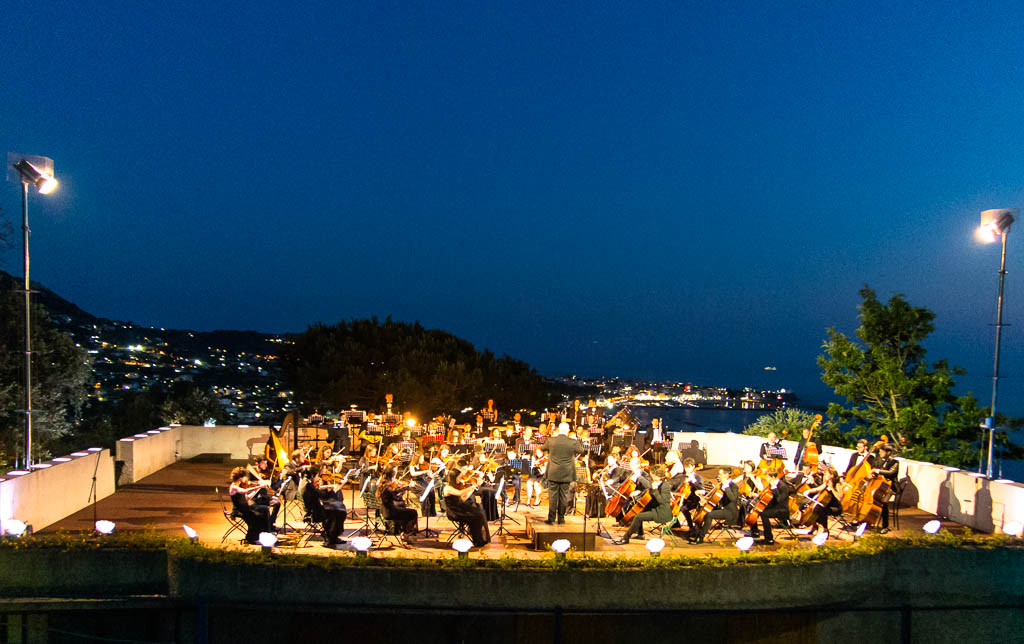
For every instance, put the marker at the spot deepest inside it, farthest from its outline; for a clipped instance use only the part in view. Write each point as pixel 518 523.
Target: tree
pixel 428 371
pixel 892 390
pixel 60 371
pixel 788 423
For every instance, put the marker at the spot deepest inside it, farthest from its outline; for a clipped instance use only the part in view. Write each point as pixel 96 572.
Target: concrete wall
pixel 146 453
pixel 948 492
pixel 57 488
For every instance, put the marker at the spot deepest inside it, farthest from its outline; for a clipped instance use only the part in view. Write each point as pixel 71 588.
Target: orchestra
pixel 634 476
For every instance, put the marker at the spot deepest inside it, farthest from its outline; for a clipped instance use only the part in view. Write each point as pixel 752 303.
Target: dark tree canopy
pixel 60 374
pixel 891 389
pixel 428 371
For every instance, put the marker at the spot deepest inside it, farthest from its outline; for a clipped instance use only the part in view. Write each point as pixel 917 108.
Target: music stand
pixel 600 528
pixel 349 475
pixel 501 519
pixel 427 532
pixel 368 526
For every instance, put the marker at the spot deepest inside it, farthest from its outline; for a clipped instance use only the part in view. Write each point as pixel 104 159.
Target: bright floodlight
pixel 191 532
pixel 995 222
pixel 1013 528
pixel 104 527
pixel 410 423
pixel 932 526
pixel 820 539
pixel 745 543
pixel 14 527
pixel 268 539
pixel 655 546
pixel 42 180
pixel 560 546
pixel 361 544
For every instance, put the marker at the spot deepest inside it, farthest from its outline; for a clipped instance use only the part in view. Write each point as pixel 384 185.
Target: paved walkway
pixel 185 493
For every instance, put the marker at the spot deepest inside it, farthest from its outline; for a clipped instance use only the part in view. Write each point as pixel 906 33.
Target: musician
pixel 458 498
pixel 830 483
pixel 391 495
pixel 858 457
pixel 263 470
pixel 538 469
pixel 479 429
pixel 518 427
pixel 512 477
pixel 255 515
pixel 750 482
pixel 773 442
pixel 297 464
pixel 696 481
pixel 805 475
pixel 657 436
pixel 801 448
pixel 368 461
pixel 263 496
pixel 886 465
pixel 561 472
pixel 660 507
pixel 324 505
pixel 525 444
pixel 420 474
pixel 608 481
pixel 728 508
pixel 454 437
pixel 777 508
pixel 439 464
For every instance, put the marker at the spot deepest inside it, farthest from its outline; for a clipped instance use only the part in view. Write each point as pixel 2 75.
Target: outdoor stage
pixel 187 493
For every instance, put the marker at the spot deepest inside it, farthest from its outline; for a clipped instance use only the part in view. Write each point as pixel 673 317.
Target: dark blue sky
pixel 690 190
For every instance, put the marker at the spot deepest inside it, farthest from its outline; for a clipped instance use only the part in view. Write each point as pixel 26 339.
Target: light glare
pixel 105 527
pixel 932 526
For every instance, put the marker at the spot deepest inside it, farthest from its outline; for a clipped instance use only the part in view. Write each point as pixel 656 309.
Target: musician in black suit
pixel 801 448
pixel 778 507
pixel 859 456
pixel 561 472
pixel 696 481
pixel 886 465
pixel 728 508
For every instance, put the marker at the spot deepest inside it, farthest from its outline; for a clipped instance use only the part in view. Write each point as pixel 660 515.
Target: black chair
pixel 893 503
pixel 461 530
pixel 391 533
pixel 234 519
pixel 310 528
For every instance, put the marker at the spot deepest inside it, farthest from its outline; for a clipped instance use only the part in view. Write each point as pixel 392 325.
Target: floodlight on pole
pixel 996 223
pixel 36 171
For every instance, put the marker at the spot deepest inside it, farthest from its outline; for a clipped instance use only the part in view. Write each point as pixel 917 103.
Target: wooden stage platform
pixel 186 493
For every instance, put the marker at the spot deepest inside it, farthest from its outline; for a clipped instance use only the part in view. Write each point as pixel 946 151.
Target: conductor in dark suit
pixel 561 471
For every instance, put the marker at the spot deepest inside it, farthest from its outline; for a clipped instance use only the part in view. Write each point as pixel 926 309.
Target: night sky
pixel 692 190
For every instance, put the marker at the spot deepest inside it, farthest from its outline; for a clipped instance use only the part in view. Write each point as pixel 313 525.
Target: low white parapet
pixel 57 488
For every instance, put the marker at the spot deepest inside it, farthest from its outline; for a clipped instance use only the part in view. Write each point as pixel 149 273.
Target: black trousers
pixel 780 512
pixel 728 515
pixel 334 523
pixel 559 493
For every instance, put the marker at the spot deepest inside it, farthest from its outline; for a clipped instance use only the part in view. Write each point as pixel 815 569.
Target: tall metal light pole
pixel 996 223
pixel 37 171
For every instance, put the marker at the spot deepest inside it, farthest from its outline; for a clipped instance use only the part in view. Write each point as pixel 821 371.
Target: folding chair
pixel 665 530
pixel 234 519
pixel 310 528
pixel 390 533
pixel 722 526
pixel 461 530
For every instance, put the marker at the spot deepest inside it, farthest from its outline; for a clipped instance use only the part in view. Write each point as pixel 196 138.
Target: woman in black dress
pixel 461 507
pixel 391 495
pixel 419 470
pixel 255 515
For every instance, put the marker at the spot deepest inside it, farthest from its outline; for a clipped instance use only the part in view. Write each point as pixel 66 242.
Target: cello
pixel 762 502
pixel 709 503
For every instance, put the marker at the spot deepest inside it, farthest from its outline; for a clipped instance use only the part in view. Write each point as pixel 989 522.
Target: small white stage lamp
pixel 267 541
pixel 191 532
pixel 932 526
pixel 361 545
pixel 744 544
pixel 105 527
pixel 462 546
pixel 820 539
pixel 655 546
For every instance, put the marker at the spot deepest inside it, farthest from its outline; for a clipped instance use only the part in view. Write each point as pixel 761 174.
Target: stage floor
pixel 185 493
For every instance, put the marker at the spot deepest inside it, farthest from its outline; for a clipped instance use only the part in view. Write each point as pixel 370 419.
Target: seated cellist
pixel 778 507
pixel 660 507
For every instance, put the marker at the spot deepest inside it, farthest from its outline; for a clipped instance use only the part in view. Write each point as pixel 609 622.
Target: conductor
pixel 561 471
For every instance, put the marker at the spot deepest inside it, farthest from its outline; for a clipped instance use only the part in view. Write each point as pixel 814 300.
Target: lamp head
pixel 42 180
pixel 996 222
